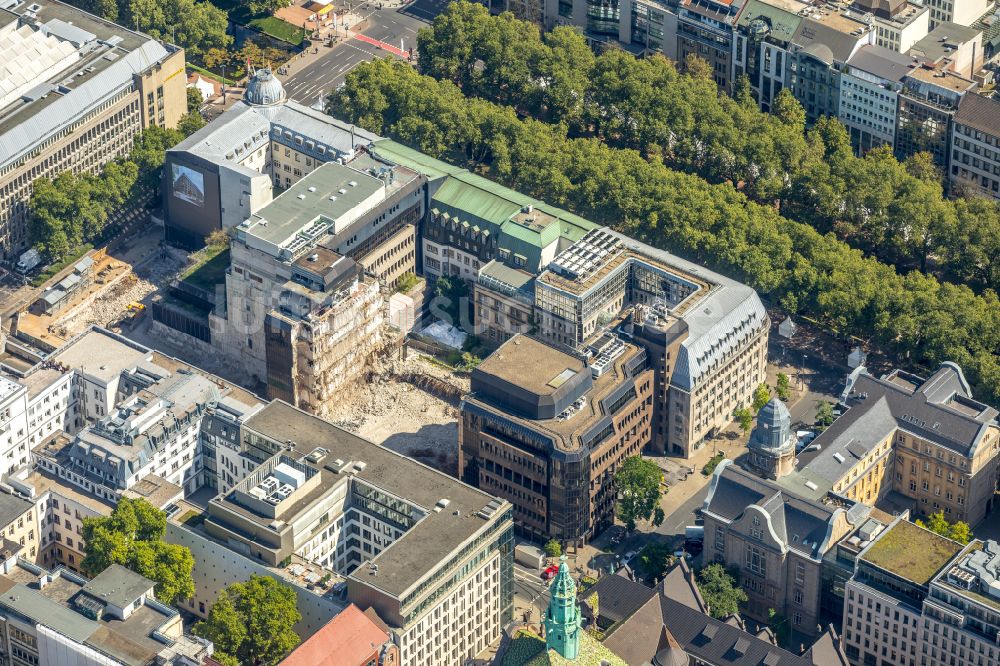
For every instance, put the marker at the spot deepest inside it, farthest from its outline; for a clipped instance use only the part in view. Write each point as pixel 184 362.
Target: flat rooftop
pixel 101 354
pixel 424 546
pixel 532 365
pixel 331 192
pixel 525 365
pixel 942 41
pixel 911 552
pixel 60 65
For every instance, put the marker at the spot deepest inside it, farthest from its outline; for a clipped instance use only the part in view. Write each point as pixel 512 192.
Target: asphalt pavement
pixel 394 26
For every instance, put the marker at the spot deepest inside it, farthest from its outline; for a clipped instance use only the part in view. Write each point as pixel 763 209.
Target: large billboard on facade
pixel 188 185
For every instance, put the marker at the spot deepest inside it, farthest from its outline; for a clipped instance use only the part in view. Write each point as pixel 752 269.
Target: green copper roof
pixel 472 203
pixel 481 203
pixel 414 159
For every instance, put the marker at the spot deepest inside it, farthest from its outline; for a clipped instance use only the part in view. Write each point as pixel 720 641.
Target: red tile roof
pixel 349 639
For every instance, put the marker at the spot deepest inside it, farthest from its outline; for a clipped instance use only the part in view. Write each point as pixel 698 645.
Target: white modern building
pixel 869 96
pixel 431 555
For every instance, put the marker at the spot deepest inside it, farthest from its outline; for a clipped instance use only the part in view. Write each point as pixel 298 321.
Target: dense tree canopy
pixel 912 315
pixel 894 211
pixel 132 536
pixel 252 623
pixel 637 483
pixel 72 209
pixel 195 25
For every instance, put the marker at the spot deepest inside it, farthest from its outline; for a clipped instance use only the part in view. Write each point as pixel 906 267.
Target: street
pixel 674 523
pixel 530 593
pixel 390 25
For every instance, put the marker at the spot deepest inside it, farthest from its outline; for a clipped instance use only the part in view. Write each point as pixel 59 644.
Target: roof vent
pixel 353 183
pixel 313 257
pixel 301 196
pixel 333 198
pixel 312 188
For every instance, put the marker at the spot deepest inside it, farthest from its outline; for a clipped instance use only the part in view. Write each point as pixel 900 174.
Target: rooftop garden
pixel 912 552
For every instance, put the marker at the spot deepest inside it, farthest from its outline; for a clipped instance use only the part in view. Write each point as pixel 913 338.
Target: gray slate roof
pixel 800 524
pixel 118 586
pixel 882 62
pixel 979 113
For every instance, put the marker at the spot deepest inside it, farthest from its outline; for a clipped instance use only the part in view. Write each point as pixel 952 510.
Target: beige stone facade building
pixel 928 441
pixel 776 540
pixel 102 85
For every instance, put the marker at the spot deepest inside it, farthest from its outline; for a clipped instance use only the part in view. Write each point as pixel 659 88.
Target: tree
pixel 132 536
pixel 720 592
pixel 190 123
pixel 266 7
pixel 194 99
pixel 788 110
pixel 253 622
pixel 744 417
pixel 761 396
pixel 824 414
pixel 637 482
pixel 783 386
pixel 653 559
pixel 697 67
pixel 553 548
pixel 958 531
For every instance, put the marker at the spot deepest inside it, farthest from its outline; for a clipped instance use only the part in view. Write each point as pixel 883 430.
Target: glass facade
pixel 602 17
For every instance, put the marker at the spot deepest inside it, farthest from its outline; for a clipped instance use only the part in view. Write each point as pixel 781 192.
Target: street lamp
pixel 223 85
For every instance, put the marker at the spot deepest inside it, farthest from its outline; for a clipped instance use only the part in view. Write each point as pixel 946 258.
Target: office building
pixel 961 12
pixel 975 147
pixel 919 598
pixel 777 540
pixel 54 618
pixel 547 430
pixel 705 30
pixel 927 106
pixel 952 47
pixel 898 24
pixel 884 598
pixel 431 555
pixel 77 90
pixel 684 311
pixel 226 171
pixel 300 313
pixel 826 39
pixel 763 45
pixel 472 221
pixel 869 96
pixel 926 441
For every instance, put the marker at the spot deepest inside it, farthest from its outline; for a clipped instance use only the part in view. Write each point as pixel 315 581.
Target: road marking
pixel 344 67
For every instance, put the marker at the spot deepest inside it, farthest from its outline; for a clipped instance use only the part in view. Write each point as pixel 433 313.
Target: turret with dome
pixel 264 89
pixel 772 442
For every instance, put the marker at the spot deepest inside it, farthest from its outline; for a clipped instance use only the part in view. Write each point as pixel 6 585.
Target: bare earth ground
pixel 409 420
pixel 110 305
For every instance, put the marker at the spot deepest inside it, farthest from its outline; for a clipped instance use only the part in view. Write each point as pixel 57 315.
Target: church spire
pixel 562 620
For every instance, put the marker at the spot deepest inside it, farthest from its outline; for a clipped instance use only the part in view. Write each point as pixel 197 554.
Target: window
pixel 755 530
pixel 756 561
